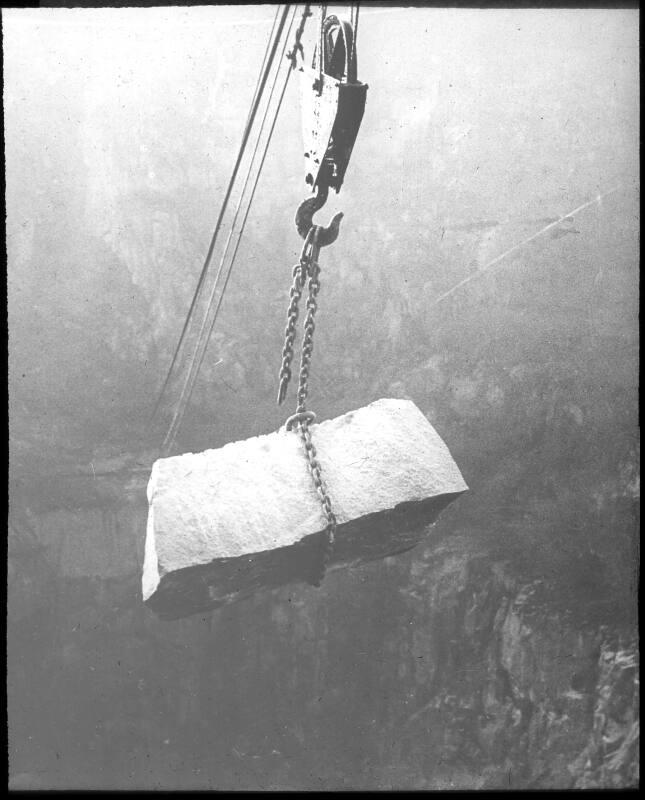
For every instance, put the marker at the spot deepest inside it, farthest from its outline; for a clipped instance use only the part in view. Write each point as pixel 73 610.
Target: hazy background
pixel 481 128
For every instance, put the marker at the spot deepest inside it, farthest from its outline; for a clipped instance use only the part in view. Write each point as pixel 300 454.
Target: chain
pixel 297 45
pixel 308 266
pixel 321 488
pixel 309 326
pixel 299 277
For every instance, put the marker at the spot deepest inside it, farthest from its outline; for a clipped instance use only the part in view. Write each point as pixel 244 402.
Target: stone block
pixel 226 522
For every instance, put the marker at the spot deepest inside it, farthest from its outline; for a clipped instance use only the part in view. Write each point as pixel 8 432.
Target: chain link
pixel 297 45
pixel 290 331
pixel 307 267
pixel 321 488
pixel 299 277
pixel 309 328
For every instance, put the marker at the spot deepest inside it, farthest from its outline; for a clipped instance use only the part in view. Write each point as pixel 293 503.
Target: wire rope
pixel 211 248
pixel 203 340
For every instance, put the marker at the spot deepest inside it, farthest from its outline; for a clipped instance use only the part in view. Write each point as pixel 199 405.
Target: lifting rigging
pixel 333 105
pixel 193 352
pixel 179 579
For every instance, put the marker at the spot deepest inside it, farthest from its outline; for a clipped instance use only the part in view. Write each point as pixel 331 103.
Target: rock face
pixel 225 522
pixel 436 669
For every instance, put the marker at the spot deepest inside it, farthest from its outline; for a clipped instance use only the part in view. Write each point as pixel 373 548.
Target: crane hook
pixel 304 215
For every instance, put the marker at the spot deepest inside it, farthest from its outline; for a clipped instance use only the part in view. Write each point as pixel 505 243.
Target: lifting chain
pixel 307 267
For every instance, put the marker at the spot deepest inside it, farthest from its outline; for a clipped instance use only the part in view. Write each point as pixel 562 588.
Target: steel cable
pixel 211 248
pixel 203 340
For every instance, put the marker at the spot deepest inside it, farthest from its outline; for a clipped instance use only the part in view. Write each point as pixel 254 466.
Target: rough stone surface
pixel 240 508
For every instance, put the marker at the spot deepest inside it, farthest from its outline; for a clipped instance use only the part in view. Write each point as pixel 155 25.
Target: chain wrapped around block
pixel 321 488
pixel 210 542
pixel 308 267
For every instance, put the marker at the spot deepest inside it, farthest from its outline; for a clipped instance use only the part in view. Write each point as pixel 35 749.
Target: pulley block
pixel 333 102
